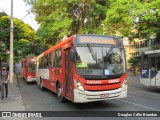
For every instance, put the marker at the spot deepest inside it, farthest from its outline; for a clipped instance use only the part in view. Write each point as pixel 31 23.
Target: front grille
pixel 102 90
pixel 102 98
pixel 101 77
pixel 101 84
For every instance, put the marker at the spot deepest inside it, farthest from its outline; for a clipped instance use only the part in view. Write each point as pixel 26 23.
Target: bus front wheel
pixel 59 93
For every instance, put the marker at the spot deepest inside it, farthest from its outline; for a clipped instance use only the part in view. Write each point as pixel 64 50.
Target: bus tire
pixel 59 93
pixel 41 85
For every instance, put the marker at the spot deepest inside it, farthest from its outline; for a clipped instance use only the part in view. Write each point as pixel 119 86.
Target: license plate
pixel 104 95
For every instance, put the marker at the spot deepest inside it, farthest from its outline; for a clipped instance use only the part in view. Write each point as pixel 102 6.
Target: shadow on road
pixel 150 89
pixel 90 106
pixel 93 106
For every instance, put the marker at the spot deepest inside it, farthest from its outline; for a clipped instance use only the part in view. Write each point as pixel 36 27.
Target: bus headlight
pixel 124 83
pixel 78 85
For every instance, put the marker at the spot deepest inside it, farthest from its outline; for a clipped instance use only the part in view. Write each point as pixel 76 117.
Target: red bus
pixel 84 68
pixel 28 69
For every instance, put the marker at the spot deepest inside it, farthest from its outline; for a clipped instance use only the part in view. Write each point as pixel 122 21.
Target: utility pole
pixel 11 45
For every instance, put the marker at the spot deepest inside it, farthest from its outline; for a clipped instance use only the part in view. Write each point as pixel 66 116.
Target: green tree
pixel 24 39
pixel 134 63
pixel 3 14
pixel 3 56
pixel 125 16
pixel 66 17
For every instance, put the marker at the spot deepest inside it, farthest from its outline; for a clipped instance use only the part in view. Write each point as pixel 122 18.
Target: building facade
pixel 135 48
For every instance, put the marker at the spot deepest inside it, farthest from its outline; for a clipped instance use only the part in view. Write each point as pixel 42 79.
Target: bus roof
pixel 69 39
pixel 55 46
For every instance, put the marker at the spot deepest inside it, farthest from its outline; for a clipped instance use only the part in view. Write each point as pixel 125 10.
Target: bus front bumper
pixel 90 96
pixel 31 79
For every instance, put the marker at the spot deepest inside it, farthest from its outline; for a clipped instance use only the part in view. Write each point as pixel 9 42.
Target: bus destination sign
pixel 97 40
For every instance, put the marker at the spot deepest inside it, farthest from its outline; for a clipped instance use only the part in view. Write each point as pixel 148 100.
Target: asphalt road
pixel 139 98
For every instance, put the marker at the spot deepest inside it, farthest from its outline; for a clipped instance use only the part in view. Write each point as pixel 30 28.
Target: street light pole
pixel 11 45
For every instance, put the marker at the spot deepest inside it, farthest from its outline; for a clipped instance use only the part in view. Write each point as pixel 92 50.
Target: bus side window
pixel 153 64
pixel 55 60
pixel 41 62
pixel 158 64
pixel 153 67
pixel 145 63
pixel 58 58
pixel 51 58
pixel 46 61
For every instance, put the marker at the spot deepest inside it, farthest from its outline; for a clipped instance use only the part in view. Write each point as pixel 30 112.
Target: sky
pixel 19 11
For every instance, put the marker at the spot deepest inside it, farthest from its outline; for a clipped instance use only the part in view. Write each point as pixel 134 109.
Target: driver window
pixel 145 62
pixel 153 64
pixel 158 63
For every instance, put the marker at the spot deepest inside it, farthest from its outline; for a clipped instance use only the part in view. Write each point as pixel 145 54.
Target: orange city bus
pixel 28 69
pixel 84 68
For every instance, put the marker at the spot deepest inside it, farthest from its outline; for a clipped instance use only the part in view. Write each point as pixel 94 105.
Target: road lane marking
pixel 150 92
pixel 139 105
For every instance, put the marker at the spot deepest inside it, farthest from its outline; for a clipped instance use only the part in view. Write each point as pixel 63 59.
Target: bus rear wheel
pixel 59 93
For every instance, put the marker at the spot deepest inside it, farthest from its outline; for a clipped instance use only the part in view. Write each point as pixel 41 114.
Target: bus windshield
pixel 31 66
pixel 100 61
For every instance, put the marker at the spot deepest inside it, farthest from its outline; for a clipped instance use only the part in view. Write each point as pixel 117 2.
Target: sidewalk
pixel 13 102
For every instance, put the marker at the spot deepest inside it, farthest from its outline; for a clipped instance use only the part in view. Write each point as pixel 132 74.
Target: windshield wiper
pixel 109 51
pixel 94 56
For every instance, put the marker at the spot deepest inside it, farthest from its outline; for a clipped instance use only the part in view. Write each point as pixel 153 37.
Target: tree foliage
pixel 3 14
pixel 134 63
pixel 24 38
pixel 131 18
pixel 124 16
pixel 58 18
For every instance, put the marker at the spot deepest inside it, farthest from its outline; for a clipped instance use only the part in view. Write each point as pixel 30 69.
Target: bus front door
pixel 154 72
pixel 68 75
